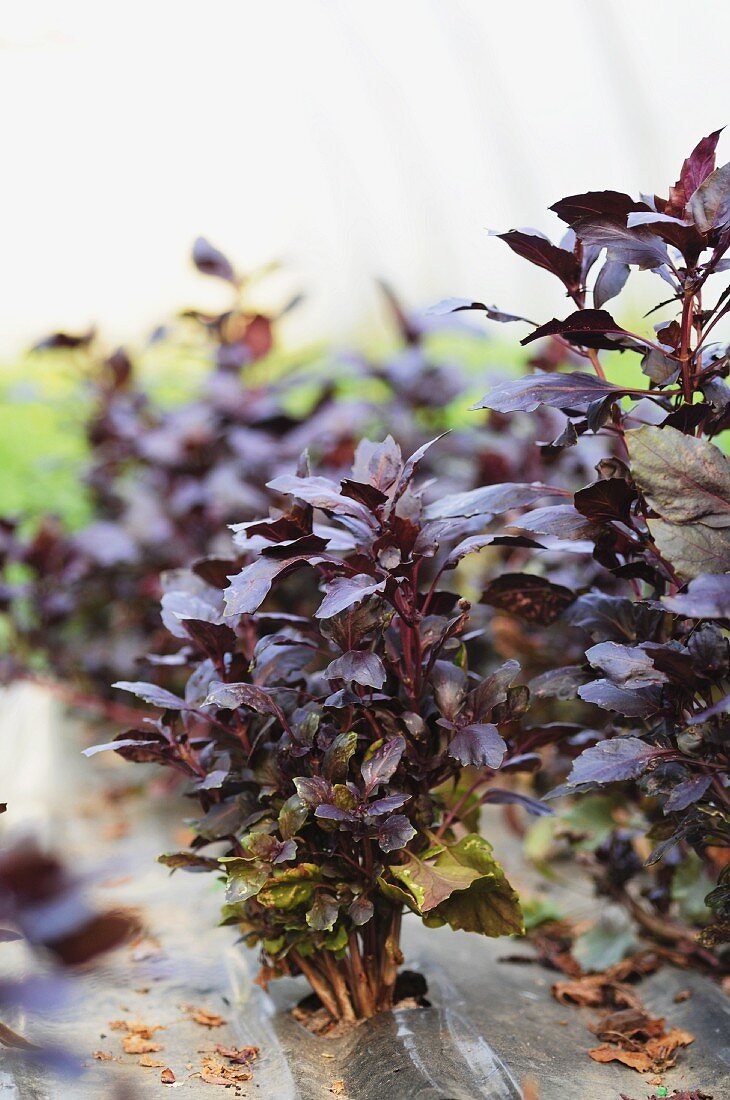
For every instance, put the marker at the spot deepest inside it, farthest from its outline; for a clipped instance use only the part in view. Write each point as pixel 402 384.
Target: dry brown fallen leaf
pixel 135 1027
pixel 102 1055
pixel 205 1018
pixel 139 1037
pixel 238 1055
pixel 655 1055
pixel 214 1072
pixel 629 1034
pixel 610 988
pixel 338 1088
pixel 151 1063
pixel 628 1026
pixel 167 1077
pixel 135 1044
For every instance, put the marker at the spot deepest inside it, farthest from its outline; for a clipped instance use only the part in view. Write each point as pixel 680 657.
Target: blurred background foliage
pixel 46 397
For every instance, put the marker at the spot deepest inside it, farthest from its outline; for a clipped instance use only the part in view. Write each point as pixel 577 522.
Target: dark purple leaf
pixel 684 794
pixel 231 696
pixel 330 812
pixel 632 703
pixel 491 691
pixel 589 328
pixel 599 219
pixel 610 204
pixel 624 245
pixel 361 910
pixel 696 168
pixel 613 618
pixel 249 588
pixel 323 913
pixel 561 521
pixel 558 683
pixel 368 495
pixel 611 761
pixel 489 500
pixel 395 832
pixel 707 597
pixel 474 543
pixel 314 792
pixel 539 251
pixel 322 493
pixel 610 282
pixel 153 694
pixel 535 599
pixel 359 665
pixel 449 688
pixel 559 391
pixel 710 204
pixel 672 231
pixel 125 743
pixel 378 464
pixel 501 797
pixel 606 500
pixel 411 465
pixel 479 745
pixel 386 805
pixel 459 305
pixel 343 592
pixel 215 639
pixel 379 767
pixel 627 666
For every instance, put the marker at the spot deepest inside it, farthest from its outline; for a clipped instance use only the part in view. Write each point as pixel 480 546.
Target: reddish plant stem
pixel 459 806
pixel 684 345
pixel 597 365
pixel 318 983
pixel 361 979
pixel 339 985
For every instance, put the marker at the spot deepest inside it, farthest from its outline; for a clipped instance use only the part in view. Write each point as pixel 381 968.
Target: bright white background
pixel 349 139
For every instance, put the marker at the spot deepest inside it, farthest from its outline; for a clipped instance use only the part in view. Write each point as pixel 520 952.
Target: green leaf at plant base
pixel 463 886
pixel 286 889
pixel 489 906
pixel 432 882
pixel 244 878
pixel 273 946
pixel 336 940
pixel 396 893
